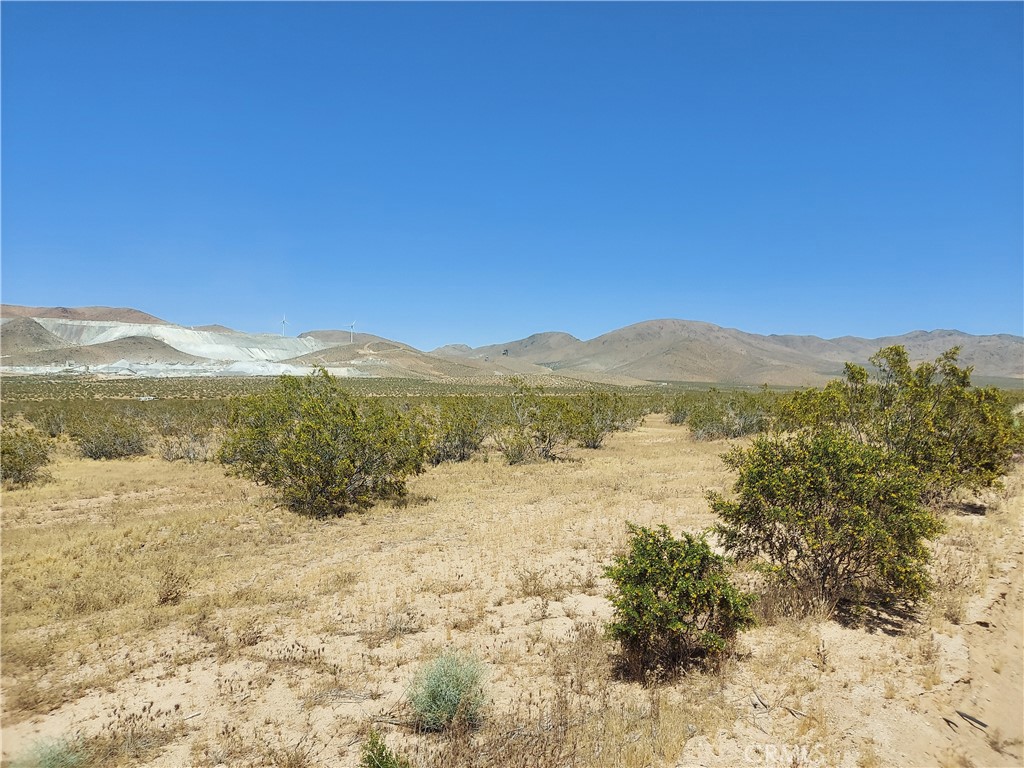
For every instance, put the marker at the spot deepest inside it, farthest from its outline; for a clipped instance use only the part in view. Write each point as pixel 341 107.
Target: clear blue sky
pixel 475 173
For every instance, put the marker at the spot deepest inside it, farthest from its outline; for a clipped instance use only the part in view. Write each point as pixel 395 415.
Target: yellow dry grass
pixel 180 606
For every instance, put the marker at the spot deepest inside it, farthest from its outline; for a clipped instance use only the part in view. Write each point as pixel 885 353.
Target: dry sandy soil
pixel 166 615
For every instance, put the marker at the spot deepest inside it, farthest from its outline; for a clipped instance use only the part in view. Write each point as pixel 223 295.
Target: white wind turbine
pixel 284 322
pixel 351 331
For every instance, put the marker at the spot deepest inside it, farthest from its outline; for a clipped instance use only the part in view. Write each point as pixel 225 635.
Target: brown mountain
pixel 109 314
pixel 23 335
pixel 134 349
pixel 345 338
pixel 683 350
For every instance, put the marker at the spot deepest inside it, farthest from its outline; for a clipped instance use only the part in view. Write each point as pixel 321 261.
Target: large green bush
pixel 447 691
pixel 674 603
pixel 951 434
pixel 24 455
pixel 323 450
pixel 829 516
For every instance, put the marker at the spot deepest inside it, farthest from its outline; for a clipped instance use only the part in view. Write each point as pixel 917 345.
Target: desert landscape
pixel 512 385
pixel 167 613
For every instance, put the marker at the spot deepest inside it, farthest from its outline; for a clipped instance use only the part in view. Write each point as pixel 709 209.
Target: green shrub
pixel 52 421
pixel 24 453
pixel 323 450
pixel 376 754
pixel 116 437
pixel 458 428
pixel 674 603
pixel 533 426
pixel 60 753
pixel 448 690
pixel 599 413
pixel 719 415
pixel 186 439
pixel 949 433
pixel 828 516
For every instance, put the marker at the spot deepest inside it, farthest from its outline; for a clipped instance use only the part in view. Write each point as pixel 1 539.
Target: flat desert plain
pixel 165 614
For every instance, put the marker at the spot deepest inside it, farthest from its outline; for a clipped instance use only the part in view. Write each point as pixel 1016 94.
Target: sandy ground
pixel 292 637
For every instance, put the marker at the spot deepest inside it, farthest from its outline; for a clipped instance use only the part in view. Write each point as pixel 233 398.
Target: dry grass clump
pixel 129 738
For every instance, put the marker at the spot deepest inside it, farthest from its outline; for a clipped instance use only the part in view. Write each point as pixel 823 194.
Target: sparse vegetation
pixel 319 624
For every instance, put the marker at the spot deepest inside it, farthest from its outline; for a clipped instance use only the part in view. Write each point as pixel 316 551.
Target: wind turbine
pixel 351 331
pixel 284 322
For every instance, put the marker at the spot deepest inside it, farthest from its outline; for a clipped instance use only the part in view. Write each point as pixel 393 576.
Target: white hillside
pixel 239 347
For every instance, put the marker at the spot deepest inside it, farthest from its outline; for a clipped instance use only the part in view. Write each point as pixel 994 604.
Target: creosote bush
pixel 674 603
pixel 715 415
pixel 117 437
pixel 447 691
pixel 598 413
pixel 458 426
pixel 188 439
pixel 949 433
pixel 828 516
pixel 323 450
pixel 24 454
pixel 533 426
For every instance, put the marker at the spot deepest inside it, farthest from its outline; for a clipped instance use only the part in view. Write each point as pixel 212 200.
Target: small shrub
pixel 376 754
pixel 117 437
pixel 448 690
pixel 61 753
pixel 674 603
pixel 24 453
pixel 173 584
pixel 828 516
pixel 189 440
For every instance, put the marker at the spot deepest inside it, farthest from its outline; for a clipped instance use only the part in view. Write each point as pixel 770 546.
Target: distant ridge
pixel 113 314
pixel 41 340
pixel 692 351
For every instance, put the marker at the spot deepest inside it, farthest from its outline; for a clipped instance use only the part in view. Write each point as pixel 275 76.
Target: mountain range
pixel 123 341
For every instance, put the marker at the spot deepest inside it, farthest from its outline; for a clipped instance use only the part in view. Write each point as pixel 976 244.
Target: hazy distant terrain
pixel 126 341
